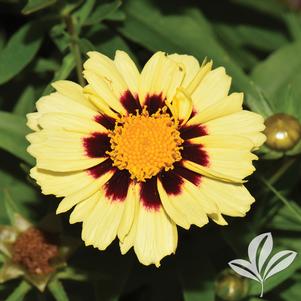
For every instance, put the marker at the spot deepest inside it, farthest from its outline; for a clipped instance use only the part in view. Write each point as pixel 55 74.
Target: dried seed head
pixel 34 250
pixel 283 132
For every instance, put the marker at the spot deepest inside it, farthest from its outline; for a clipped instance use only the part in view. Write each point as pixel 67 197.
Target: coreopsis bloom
pixel 138 153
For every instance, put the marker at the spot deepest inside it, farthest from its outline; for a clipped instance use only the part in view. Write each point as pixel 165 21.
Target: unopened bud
pixel 283 132
pixel 230 286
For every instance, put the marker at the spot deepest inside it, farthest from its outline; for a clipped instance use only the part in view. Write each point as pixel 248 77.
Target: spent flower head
pixel 35 253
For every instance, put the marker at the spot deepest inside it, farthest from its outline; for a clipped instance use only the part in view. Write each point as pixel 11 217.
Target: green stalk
pixel 281 198
pixel 74 48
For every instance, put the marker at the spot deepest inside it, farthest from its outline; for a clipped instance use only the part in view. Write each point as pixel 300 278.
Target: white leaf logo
pixel 259 268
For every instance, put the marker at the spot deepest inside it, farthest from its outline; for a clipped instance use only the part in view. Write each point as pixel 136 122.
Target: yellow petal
pixel 185 208
pixel 106 69
pixel 130 209
pixel 69 122
pixel 61 183
pixel 218 219
pixel 101 225
pixel 98 102
pixel 58 144
pixel 84 208
pixel 243 123
pixel 182 106
pixel 205 171
pixel 103 89
pixel 189 64
pixel 129 240
pixel 82 194
pixel 56 102
pixel 197 79
pixel 128 71
pixel 231 199
pixel 229 157
pixel 214 86
pixel 226 106
pixel 72 91
pixel 156 235
pixel 160 76
pixel 33 121
pixel 223 141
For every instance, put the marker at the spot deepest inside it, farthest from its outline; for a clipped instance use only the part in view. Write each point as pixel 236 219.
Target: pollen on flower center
pixel 145 144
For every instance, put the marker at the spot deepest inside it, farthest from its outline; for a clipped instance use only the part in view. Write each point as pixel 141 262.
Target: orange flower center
pixel 144 144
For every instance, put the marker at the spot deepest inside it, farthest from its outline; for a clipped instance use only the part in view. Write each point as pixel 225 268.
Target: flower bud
pixel 283 132
pixel 230 286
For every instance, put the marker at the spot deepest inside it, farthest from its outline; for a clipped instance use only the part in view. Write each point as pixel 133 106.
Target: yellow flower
pixel 137 153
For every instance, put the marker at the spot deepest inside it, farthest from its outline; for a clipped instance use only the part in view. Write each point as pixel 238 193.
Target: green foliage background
pixel 259 43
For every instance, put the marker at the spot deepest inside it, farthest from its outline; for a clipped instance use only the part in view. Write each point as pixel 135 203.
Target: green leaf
pixel 287 203
pixel 26 102
pixel 25 196
pixel 292 292
pixel 67 7
pixel 103 11
pixel 2 39
pixel 60 37
pixel 152 29
pixel 84 11
pixel 117 15
pixel 279 71
pixel 10 207
pixel 284 220
pixel 20 292
pixel 68 65
pixel 293 23
pixel 36 5
pixel 270 7
pixel 243 35
pixel 232 43
pixel 266 39
pixel 57 290
pixel 46 65
pixel 105 41
pixel 12 136
pixel 19 51
pixel 85 45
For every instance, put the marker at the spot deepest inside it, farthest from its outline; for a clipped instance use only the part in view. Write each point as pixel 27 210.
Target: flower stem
pixel 261 293
pixel 282 170
pixel 281 198
pixel 74 47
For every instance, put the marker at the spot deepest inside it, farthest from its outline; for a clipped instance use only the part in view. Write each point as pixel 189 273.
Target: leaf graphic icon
pixel 259 251
pixel 264 253
pixel 244 268
pixel 279 262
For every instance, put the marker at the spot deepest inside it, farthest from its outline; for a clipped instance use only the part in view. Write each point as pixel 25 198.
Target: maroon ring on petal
pixel 97 145
pixel 101 169
pixel 154 103
pixel 106 121
pixel 116 189
pixel 192 131
pixel 130 103
pixel 149 194
pixel 195 153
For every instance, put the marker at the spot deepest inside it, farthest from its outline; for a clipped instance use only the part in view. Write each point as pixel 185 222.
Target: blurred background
pixel 259 44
